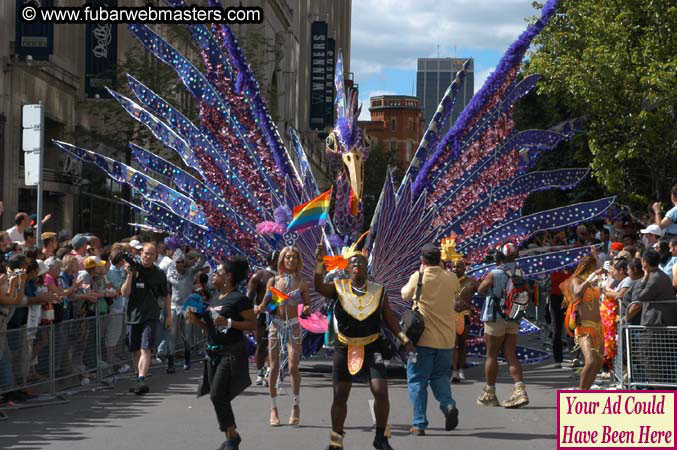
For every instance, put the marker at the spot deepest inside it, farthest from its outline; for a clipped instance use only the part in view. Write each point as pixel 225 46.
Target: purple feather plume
pixel 510 59
pixel 283 215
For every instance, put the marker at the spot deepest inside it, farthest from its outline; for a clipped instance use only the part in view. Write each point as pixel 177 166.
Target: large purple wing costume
pixel 473 181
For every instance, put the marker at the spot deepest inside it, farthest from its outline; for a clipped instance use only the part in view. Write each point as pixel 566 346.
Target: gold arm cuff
pixel 403 337
pixel 357 340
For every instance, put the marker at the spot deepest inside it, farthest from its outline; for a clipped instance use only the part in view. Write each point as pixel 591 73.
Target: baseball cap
pixel 78 241
pixel 136 244
pixel 47 235
pixel 431 251
pixel 617 246
pixel 507 249
pixel 653 229
pixel 93 261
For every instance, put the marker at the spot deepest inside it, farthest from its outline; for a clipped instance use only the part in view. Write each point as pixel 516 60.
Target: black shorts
pixel 141 335
pixel 373 367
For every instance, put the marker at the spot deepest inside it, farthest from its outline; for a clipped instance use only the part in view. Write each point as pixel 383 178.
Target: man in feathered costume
pixel 360 306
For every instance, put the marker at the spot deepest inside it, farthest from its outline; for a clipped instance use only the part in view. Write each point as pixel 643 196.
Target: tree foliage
pixel 541 110
pixel 614 63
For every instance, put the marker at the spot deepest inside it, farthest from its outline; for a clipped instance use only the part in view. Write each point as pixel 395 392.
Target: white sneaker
pixel 454 376
pixel 461 375
pixel 124 368
pixel 84 381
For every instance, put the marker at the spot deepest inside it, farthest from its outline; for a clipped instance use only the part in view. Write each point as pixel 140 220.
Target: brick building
pixel 397 122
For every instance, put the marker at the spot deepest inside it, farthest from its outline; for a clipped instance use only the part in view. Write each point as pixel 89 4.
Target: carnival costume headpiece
pixel 340 262
pixel 449 253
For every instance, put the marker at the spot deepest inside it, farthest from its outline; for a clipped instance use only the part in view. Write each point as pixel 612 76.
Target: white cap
pixel 653 229
pixel 42 267
pixel 136 244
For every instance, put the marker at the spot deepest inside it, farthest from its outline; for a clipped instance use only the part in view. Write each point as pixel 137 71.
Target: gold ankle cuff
pixel 335 439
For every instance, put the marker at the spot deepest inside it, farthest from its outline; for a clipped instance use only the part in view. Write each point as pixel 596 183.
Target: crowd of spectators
pixel 66 279
pixel 61 279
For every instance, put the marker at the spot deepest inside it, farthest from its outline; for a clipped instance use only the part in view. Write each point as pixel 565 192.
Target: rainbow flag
pixel 314 212
pixel 277 298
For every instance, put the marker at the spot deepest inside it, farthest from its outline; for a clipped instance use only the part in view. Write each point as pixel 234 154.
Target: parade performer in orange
pixel 581 295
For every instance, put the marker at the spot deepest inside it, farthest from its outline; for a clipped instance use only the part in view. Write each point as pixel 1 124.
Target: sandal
pixel 274 418
pixel 294 418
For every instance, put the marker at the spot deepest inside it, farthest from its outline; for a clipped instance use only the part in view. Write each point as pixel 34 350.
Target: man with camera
pixel 434 291
pixel 146 288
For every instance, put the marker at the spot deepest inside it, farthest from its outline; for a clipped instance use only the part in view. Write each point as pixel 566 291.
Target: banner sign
pixel 101 52
pixel 615 419
pixel 329 83
pixel 318 69
pixel 36 38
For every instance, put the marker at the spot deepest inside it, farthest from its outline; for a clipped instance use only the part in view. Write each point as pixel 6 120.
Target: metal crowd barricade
pixel 647 355
pixel 51 358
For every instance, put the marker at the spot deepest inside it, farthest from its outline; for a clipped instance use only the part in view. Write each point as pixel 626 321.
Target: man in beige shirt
pixel 434 348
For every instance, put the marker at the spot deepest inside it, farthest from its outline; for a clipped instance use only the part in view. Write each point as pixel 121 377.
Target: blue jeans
pixel 433 366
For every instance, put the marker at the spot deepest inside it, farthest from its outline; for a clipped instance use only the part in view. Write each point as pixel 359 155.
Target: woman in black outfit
pixel 227 365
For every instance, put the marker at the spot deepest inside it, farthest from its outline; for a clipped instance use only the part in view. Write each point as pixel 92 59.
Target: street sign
pixel 33 120
pixel 318 69
pixel 31 143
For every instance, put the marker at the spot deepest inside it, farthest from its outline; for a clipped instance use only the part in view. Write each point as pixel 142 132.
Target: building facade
pixel 433 77
pixel 397 123
pixel 281 50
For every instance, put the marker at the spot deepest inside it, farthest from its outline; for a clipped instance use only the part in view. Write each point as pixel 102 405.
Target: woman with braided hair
pixel 227 364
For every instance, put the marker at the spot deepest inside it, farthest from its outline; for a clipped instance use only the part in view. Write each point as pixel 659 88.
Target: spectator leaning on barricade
pixel 28 316
pixel 87 297
pixel 434 349
pixel 12 285
pixel 651 235
pixel 49 244
pixel 146 288
pixel 114 325
pixel 79 244
pixel 635 273
pixel 501 333
pixel 669 222
pixel 654 294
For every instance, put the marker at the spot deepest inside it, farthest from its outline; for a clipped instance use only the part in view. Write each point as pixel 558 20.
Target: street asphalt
pixel 171 417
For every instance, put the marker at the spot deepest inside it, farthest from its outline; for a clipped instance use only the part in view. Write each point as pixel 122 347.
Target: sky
pixel 388 36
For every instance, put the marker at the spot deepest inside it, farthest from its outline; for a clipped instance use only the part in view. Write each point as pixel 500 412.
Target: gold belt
pixel 357 340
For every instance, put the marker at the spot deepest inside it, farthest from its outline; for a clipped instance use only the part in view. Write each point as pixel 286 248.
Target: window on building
pixel 392 123
pixel 411 124
pixel 393 147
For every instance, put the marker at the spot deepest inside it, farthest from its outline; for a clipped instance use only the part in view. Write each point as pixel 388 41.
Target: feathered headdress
pixel 449 253
pixel 340 262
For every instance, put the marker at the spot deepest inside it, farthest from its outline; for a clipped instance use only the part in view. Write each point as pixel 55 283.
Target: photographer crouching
pixel 146 288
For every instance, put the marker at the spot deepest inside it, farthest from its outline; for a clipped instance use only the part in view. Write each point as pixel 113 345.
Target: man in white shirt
pixel 21 222
pixel 669 222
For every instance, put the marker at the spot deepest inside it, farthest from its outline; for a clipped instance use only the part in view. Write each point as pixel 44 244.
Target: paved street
pixel 171 417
